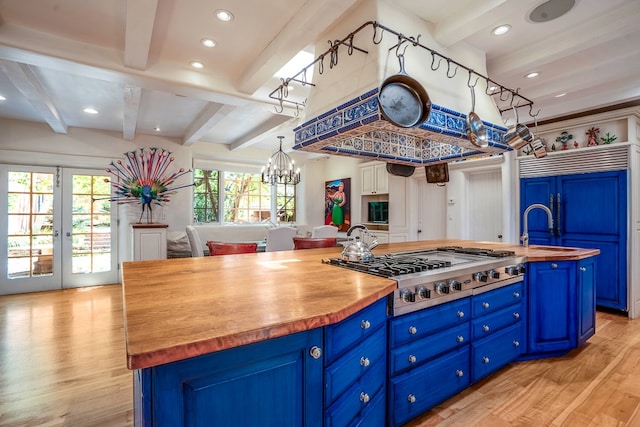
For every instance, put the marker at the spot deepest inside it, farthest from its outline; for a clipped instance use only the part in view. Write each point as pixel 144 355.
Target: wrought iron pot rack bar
pixel 493 88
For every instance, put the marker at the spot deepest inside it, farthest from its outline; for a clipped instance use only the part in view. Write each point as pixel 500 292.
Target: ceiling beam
pixel 141 16
pixel 302 30
pixel 207 119
pixel 259 133
pixel 132 97
pixel 27 83
pixel 472 19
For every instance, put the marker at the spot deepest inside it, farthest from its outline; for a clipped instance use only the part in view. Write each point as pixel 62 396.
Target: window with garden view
pixel 237 197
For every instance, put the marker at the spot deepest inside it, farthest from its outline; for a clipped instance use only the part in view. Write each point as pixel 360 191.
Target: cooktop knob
pixel 480 276
pixel 407 296
pixel 423 292
pixel 454 285
pixel 441 288
pixel 493 274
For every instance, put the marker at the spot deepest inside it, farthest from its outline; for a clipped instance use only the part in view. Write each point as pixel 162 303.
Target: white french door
pixel 58 227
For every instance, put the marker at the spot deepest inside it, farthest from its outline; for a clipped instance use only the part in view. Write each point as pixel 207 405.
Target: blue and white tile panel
pixel 357 128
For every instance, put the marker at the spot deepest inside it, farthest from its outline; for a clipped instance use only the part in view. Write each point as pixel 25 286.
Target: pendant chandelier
pixel 279 169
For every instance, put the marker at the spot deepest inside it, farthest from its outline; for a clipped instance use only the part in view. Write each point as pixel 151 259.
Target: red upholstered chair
pixel 222 248
pixel 313 242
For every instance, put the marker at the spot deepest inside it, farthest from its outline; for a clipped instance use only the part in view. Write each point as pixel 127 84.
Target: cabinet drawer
pixel 494 352
pixel 491 301
pixel 418 352
pixel 375 414
pixel 487 325
pixel 413 326
pixel 355 363
pixel 357 398
pixel 341 336
pixel 420 389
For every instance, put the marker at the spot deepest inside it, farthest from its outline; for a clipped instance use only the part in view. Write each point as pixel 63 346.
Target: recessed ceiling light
pixel 196 64
pixel 90 110
pixel 224 15
pixel 208 42
pixel 532 75
pixel 560 95
pixel 500 30
pixel 2 98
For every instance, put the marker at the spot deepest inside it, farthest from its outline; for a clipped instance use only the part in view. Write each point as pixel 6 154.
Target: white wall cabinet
pixel 375 179
pixel 149 241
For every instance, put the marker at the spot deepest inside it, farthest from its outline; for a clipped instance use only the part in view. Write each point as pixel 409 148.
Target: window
pixel 245 199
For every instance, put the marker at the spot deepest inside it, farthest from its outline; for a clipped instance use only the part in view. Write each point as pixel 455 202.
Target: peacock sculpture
pixel 144 178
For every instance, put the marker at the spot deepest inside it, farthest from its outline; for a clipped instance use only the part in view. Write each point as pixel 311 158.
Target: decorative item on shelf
pixel 144 179
pixel 527 150
pixel 564 138
pixel 608 139
pixel 593 136
pixel 279 169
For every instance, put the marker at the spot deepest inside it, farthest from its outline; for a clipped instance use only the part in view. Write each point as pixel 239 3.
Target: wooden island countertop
pixel 185 307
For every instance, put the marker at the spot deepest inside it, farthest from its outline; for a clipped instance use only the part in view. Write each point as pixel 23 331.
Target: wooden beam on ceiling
pixel 132 97
pixel 211 115
pixel 141 16
pixel 28 84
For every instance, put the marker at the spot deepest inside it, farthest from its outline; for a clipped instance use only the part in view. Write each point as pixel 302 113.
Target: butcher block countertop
pixel 185 307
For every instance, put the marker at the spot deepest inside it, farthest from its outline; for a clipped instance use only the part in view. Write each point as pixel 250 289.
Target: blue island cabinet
pixel 561 306
pixel 277 382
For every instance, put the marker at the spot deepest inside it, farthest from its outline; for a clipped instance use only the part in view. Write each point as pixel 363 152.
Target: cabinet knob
pixel 364 397
pixel 411 398
pixel 583 269
pixel 315 352
pixel 516 315
pixel 554 265
pixel 459 373
pixel 413 330
pixel 516 294
pixel 460 314
pixel 365 324
pixel 364 361
pixel 460 338
pixel 485 305
pixel 412 359
pixel 485 328
pixel 485 359
pixel 516 343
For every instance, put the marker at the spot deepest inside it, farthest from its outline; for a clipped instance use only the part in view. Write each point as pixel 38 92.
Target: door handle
pixel 558 216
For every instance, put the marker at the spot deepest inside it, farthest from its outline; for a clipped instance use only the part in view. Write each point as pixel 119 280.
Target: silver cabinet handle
pixel 554 265
pixel 364 361
pixel 485 305
pixel 364 397
pixel 413 330
pixel 516 294
pixel 516 343
pixel 485 328
pixel 315 352
pixel 583 269
pixel 412 359
pixel 460 314
pixel 460 338
pixel 365 324
pixel 516 315
pixel 459 373
pixel 411 398
pixel 485 359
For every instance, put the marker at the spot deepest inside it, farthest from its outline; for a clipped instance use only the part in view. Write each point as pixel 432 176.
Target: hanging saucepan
pixel 476 132
pixel 538 144
pixel 518 135
pixel 403 101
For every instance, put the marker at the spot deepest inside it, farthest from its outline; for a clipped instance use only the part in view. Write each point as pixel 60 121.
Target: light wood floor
pixel 62 363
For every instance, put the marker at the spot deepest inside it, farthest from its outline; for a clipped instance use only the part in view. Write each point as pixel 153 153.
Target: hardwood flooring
pixel 62 363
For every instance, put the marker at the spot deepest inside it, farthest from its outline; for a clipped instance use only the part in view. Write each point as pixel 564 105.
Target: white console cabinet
pixel 149 241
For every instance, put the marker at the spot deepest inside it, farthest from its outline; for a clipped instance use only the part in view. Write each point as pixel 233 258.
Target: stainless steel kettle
pixel 359 247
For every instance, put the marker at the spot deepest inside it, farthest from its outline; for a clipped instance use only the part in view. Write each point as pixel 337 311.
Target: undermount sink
pixel 551 248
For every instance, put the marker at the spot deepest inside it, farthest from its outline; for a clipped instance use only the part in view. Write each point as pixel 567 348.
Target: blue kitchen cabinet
pixel 276 382
pixel 561 306
pixel 498 329
pixel 590 211
pixel 355 372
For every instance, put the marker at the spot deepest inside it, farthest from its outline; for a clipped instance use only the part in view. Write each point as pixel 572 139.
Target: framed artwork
pixel 337 203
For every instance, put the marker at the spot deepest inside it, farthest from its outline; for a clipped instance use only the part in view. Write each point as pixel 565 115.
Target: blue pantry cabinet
pixel 590 211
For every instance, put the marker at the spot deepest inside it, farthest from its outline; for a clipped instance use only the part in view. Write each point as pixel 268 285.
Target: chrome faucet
pixel 525 231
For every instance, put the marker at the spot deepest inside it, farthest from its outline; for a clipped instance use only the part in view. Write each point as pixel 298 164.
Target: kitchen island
pixel 206 310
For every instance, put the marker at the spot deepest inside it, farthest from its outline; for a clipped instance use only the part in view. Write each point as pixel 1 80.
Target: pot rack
pixel 506 95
